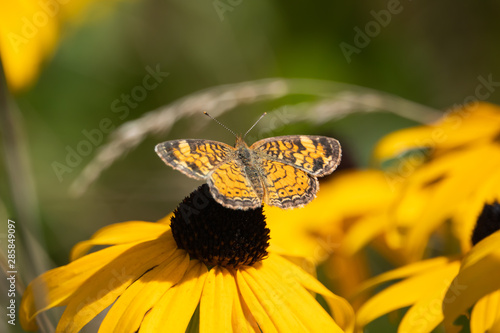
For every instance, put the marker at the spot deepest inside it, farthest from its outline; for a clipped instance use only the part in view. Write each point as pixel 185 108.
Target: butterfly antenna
pixel 254 124
pixel 218 122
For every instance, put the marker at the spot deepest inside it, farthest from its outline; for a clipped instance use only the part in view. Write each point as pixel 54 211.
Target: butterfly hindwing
pixel 287 186
pixel 232 188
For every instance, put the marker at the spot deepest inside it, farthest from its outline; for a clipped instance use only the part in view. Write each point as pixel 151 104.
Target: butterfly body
pixel 278 171
pixel 250 161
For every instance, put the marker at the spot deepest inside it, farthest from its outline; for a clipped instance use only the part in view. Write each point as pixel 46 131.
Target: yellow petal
pixel 128 311
pixel 465 217
pixel 350 194
pixel 298 300
pixel 456 128
pixel 478 277
pixel 342 311
pixel 486 314
pixel 495 327
pixel 405 271
pixel 253 304
pixel 176 307
pixel 443 198
pixel 242 319
pixel 120 233
pixel 362 232
pixel 426 313
pixel 53 288
pixel 397 143
pixel 109 282
pixel 216 301
pixel 470 125
pixel 166 219
pixel 486 247
pixel 271 297
pixel 406 292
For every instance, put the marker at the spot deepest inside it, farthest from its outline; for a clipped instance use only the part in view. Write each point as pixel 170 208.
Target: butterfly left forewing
pixel 195 158
pixel 317 155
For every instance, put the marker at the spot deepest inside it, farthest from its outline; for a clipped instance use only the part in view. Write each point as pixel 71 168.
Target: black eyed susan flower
pixel 155 276
pixel 477 283
pixel 445 172
pixel 441 289
pixel 455 180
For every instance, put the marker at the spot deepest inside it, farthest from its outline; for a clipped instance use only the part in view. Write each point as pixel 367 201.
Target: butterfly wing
pixel 287 186
pixel 290 164
pixel 195 158
pixel 231 188
pixel 316 155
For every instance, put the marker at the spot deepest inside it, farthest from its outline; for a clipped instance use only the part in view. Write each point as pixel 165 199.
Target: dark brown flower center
pixel 217 235
pixel 487 223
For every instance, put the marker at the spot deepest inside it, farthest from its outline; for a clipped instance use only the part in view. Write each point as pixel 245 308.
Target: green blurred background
pixel 431 52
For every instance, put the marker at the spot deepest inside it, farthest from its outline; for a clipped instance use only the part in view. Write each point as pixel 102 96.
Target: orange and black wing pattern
pixel 232 188
pixel 287 186
pixel 194 157
pixel 317 155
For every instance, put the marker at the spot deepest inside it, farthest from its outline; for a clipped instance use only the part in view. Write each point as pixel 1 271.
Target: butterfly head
pixel 240 142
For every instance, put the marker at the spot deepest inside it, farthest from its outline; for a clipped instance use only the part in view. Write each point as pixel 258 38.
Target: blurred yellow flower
pixel 422 288
pixel 441 289
pixel 29 33
pixel 477 283
pixel 451 181
pixel 317 230
pixel 155 276
pixel 349 212
pixel 456 180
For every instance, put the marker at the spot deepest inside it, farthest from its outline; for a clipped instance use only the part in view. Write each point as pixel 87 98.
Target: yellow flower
pixel 349 212
pixel 477 281
pixel 457 181
pixel 155 276
pixel 27 36
pixel 422 289
pixel 444 288
pixel 451 181
pixel 29 33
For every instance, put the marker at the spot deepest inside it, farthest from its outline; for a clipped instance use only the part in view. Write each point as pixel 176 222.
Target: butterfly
pixel 279 171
